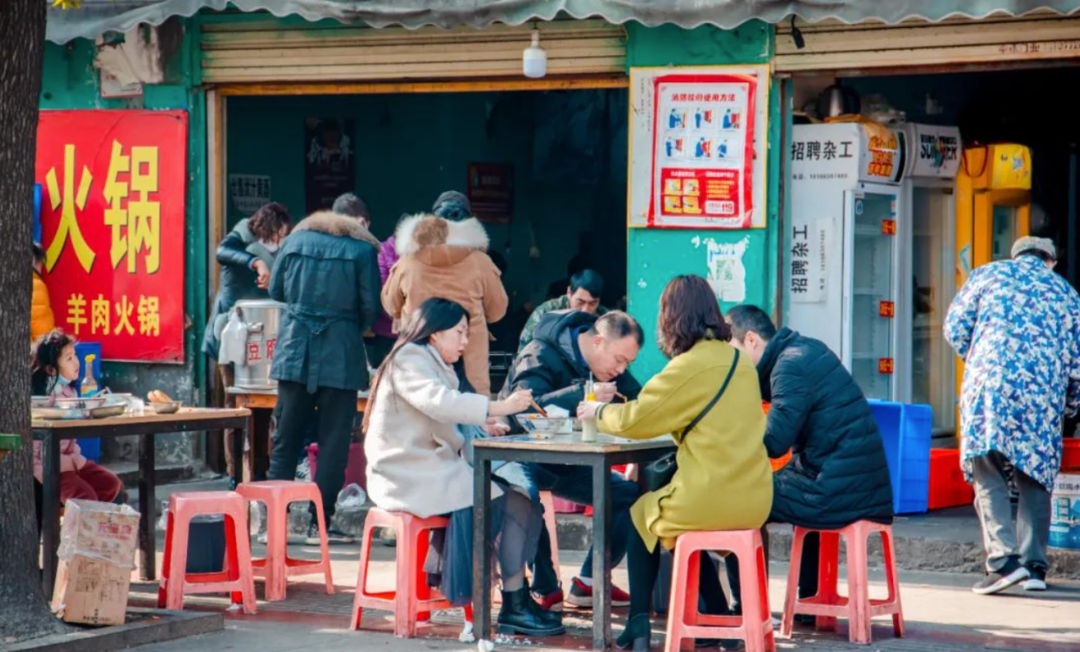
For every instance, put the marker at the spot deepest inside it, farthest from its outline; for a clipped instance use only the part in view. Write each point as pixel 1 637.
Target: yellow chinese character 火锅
pixel 124 308
pixel 137 226
pixel 68 228
pixel 100 312
pixel 76 316
pixel 149 318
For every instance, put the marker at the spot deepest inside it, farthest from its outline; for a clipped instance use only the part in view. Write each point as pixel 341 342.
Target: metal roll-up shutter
pixel 268 51
pixel 832 45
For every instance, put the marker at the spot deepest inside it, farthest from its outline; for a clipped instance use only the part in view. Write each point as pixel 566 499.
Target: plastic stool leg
pixel 361 578
pixel 859 629
pixel 794 566
pixel 828 578
pixel 405 611
pixel 243 558
pixel 277 532
pixel 232 558
pixel 763 583
pixel 165 561
pixel 323 543
pixel 174 588
pixel 423 591
pixel 677 605
pixel 893 582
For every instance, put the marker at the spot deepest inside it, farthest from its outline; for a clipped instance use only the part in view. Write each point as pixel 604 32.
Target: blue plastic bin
pixel 906 431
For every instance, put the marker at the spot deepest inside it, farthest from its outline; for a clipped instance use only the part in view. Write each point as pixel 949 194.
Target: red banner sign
pixel 113 228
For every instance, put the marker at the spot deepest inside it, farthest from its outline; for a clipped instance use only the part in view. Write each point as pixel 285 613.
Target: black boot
pixel 520 615
pixel 636 635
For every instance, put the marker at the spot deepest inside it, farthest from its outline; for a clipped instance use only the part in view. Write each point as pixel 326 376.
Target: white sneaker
pixel 1037 581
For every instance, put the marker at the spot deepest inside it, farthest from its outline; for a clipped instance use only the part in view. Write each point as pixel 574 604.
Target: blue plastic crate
pixel 91 448
pixel 906 431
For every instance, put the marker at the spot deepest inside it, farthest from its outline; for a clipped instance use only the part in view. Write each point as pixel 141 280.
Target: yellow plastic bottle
pixel 588 426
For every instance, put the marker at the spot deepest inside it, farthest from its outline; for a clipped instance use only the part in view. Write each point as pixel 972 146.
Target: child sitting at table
pixel 54 372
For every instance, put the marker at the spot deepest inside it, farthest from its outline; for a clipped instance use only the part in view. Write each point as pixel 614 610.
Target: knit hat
pixel 1031 243
pixel 453 206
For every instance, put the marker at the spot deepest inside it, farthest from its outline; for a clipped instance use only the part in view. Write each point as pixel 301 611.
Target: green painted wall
pixel 70 82
pixel 655 255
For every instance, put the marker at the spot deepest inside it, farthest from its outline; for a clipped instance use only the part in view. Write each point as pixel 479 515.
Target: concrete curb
pixel 157 626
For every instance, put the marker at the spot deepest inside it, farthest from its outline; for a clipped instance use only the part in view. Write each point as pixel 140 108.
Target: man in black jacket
pixel 568 348
pixel 838 473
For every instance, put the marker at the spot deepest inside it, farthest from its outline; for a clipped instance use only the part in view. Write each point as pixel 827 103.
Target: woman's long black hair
pixel 433 316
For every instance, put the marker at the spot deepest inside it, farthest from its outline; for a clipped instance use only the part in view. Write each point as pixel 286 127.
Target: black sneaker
pixel 1011 573
pixel 333 537
pixel 1037 581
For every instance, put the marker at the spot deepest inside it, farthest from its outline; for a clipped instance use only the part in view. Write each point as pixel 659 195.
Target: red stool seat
pixel 236 577
pixel 828 604
pixel 412 600
pixel 754 627
pixel 277 567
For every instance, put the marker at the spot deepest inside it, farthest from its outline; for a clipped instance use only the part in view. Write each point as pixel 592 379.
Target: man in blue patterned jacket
pixel 1016 324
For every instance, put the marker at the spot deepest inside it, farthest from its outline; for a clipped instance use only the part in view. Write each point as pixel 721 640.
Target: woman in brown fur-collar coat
pixel 445 259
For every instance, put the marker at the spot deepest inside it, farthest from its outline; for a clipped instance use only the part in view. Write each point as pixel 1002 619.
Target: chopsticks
pixel 539 409
pixel 623 397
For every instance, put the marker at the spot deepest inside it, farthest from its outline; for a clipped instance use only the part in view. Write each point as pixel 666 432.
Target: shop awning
pixel 96 17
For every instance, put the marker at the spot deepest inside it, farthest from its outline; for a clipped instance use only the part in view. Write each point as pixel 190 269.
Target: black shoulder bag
pixel 659 474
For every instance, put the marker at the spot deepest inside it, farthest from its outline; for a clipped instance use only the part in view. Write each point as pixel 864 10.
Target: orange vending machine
pixel 993 204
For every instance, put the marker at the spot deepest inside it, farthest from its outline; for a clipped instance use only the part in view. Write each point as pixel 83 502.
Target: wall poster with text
pixel 706 134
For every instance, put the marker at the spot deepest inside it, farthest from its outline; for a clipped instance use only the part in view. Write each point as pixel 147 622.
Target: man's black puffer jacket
pixel 838 474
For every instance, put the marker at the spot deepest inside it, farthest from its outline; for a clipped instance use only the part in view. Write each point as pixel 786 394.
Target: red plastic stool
pixel 236 577
pixel 412 600
pixel 828 604
pixel 278 566
pixel 754 626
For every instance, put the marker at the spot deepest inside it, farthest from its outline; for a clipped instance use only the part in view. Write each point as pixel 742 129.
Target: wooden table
pixel 147 427
pixel 263 399
pixel 601 456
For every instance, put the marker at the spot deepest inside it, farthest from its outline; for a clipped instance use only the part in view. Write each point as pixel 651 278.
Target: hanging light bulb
pixel 534 58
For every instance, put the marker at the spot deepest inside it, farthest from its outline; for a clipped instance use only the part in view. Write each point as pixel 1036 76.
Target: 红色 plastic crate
pixel 947 485
pixel 906 430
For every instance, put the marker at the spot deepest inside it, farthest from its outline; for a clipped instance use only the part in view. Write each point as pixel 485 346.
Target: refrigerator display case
pixel 844 266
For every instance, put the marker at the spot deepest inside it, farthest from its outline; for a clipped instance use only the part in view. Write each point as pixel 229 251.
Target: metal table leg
pixel 601 475
pixel 239 462
pixel 482 624
pixel 50 511
pixel 147 504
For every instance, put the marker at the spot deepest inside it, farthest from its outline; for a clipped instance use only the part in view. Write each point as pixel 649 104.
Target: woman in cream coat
pixel 417 463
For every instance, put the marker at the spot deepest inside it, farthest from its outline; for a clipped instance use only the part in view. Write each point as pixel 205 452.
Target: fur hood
pixel 421 231
pixel 341 226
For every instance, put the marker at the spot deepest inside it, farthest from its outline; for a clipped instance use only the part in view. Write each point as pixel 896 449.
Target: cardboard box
pixel 91 591
pixel 97 554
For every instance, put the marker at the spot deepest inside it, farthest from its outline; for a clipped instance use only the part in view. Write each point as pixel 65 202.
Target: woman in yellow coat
pixel 724 480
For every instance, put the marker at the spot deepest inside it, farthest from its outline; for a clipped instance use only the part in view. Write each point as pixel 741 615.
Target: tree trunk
pixel 22 42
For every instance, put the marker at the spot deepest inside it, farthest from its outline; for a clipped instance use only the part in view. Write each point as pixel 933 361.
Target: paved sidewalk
pixel 941 614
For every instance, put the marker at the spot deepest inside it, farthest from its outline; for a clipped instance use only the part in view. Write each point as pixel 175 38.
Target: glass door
pixel 1003 231
pixel 933 288
pixel 873 306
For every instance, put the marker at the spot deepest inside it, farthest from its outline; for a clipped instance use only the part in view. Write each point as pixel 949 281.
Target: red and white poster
pixel 112 215
pixel 703 157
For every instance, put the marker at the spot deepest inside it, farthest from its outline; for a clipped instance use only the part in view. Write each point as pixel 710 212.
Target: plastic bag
pixel 351 499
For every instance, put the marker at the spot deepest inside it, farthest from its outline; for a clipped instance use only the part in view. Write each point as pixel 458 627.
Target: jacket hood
pixel 784 338
pixel 339 226
pixel 557 330
pixel 420 232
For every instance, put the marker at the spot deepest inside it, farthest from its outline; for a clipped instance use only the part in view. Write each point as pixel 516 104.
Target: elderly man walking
pixel 1016 324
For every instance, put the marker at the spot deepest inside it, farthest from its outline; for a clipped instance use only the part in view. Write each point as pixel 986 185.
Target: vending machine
pixel 926 362
pixel 993 204
pixel 844 271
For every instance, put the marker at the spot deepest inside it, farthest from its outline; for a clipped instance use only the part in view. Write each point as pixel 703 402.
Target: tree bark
pixel 22 42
